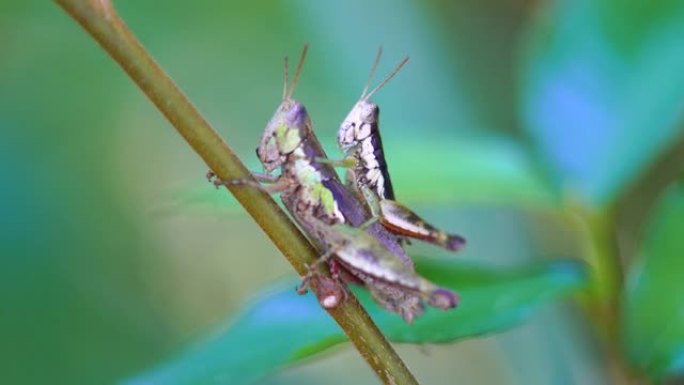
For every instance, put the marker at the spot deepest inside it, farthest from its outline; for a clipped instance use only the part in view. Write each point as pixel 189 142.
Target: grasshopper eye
pixel 346 134
pixel 348 126
pixel 369 112
pixel 269 154
pixel 352 130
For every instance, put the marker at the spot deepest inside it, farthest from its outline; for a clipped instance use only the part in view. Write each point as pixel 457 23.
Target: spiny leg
pixel 278 184
pixel 404 222
pixel 303 286
pixel 265 178
pixel 312 271
pixel 368 223
pixel 261 177
pixel 348 162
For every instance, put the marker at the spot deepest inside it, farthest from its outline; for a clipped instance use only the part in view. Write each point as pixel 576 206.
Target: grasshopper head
pixel 284 133
pixel 288 127
pixel 358 125
pixel 362 120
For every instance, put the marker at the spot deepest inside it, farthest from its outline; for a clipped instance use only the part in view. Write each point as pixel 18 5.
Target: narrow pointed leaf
pixel 653 312
pixel 282 328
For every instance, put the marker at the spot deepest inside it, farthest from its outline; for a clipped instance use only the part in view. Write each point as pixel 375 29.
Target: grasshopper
pixel 310 189
pixel 359 138
pixel 357 250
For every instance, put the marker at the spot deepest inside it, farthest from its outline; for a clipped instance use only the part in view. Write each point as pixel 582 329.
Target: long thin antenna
pixel 388 78
pixel 372 73
pixel 299 70
pixel 286 79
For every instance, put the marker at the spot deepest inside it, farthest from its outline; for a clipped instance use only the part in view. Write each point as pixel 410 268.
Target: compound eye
pixel 268 153
pixel 368 112
pixel 346 133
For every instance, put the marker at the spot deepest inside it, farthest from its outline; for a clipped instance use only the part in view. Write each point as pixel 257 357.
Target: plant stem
pixel 606 265
pixel 101 21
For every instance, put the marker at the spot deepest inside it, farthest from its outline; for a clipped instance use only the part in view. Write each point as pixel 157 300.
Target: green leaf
pixel 282 328
pixel 483 170
pixel 653 310
pixel 603 89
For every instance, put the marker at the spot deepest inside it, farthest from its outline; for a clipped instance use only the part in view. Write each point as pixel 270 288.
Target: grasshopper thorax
pixel 359 124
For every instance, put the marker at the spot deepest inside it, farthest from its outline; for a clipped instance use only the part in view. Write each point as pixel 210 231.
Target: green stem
pixel 603 256
pixel 101 21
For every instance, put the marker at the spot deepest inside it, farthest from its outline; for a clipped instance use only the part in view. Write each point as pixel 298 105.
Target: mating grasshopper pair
pixel 358 228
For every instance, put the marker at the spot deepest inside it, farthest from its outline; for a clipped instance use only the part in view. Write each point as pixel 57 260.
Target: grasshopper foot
pixel 210 176
pixel 303 286
pixel 215 180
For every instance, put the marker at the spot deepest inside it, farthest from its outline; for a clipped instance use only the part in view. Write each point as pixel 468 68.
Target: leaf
pixel 483 170
pixel 653 311
pixel 282 328
pixel 603 90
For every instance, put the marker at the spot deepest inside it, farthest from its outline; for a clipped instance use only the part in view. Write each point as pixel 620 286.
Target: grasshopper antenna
pixel 372 73
pixel 289 92
pixel 387 79
pixel 286 79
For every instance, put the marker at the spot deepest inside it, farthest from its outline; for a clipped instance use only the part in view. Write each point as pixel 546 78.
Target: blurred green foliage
pixel 514 122
pixel 603 90
pixel 253 345
pixel 653 331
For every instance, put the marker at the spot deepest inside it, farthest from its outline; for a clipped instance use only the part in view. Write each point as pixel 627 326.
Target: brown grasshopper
pixel 358 251
pixel 311 189
pixel 359 138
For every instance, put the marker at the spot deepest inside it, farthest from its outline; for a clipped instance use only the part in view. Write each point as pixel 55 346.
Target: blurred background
pixel 516 123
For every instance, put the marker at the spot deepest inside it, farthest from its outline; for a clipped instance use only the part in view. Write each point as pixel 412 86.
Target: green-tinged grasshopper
pixel 358 251
pixel 359 138
pixel 310 189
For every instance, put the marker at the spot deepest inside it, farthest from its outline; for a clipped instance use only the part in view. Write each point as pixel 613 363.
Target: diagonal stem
pixel 101 21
